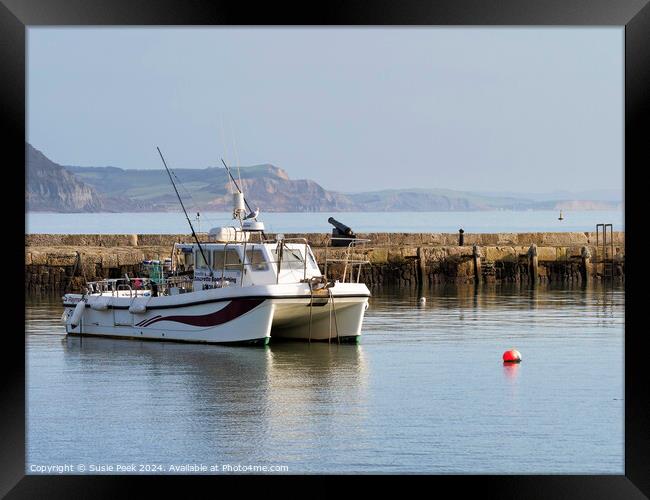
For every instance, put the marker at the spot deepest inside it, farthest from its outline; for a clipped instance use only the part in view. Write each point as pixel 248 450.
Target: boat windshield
pixel 292 258
pixel 311 259
pixel 255 258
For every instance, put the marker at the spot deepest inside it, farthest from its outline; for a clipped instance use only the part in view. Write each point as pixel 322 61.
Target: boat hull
pixel 338 319
pixel 230 315
pixel 237 321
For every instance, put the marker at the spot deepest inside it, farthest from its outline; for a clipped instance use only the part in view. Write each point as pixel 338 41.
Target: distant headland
pixel 57 188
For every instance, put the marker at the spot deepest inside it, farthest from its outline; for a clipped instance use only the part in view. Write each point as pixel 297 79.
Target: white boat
pixel 236 288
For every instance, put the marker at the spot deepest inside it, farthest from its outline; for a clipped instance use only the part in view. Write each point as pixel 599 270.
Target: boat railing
pixel 175 281
pixel 353 259
pixel 136 287
pixel 113 286
pixel 355 252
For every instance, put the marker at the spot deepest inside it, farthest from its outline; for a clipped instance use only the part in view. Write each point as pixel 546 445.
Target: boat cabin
pixel 245 263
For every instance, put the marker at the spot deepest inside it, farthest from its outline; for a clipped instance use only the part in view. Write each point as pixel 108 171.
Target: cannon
pixel 340 231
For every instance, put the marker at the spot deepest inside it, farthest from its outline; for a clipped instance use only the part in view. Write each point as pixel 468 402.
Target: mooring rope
pixel 336 325
pixel 311 302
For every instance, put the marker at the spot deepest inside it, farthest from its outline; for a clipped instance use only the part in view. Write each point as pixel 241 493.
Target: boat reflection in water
pixel 317 395
pixel 214 402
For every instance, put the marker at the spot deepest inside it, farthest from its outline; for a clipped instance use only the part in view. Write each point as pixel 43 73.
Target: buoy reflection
pixel 511 370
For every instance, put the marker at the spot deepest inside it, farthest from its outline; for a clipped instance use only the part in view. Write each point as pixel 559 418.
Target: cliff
pixel 50 187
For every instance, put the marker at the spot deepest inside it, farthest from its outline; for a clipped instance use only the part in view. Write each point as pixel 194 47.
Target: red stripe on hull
pixel 147 321
pixel 232 311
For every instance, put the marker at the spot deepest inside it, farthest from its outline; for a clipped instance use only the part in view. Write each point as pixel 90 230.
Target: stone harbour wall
pixel 57 262
pixel 418 266
pixel 321 239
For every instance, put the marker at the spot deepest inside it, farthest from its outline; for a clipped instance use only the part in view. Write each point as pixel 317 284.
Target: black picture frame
pixel 634 15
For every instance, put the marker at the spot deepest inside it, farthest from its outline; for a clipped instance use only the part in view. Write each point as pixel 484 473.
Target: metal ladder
pixel 605 249
pixel 487 268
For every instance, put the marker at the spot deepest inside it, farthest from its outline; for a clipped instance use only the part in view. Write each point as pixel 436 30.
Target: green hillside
pixel 153 184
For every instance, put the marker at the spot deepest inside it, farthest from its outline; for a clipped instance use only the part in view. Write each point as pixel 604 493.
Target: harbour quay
pixel 64 262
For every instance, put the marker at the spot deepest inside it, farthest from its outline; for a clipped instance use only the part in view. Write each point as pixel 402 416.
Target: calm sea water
pixel 425 392
pixel 502 221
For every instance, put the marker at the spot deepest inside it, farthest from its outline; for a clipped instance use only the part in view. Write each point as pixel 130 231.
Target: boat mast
pixel 185 212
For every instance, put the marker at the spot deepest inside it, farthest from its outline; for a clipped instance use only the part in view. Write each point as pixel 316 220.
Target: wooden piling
pixel 421 275
pixel 586 264
pixel 476 254
pixel 532 263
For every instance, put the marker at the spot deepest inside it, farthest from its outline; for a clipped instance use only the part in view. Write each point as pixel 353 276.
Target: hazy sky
pixel 490 109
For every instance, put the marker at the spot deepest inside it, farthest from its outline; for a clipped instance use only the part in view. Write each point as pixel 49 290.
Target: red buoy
pixel 512 356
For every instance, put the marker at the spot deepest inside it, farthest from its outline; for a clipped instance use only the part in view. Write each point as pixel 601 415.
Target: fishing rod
pixel 185 212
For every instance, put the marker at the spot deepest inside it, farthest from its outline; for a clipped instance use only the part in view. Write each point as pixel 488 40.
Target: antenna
pixel 238 189
pixel 232 179
pixel 234 147
pixel 225 148
pixel 184 211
